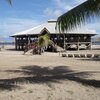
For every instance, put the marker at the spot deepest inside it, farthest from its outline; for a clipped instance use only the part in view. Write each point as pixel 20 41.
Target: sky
pixel 25 14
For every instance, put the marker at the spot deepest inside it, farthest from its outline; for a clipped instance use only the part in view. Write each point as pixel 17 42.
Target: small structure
pixel 65 40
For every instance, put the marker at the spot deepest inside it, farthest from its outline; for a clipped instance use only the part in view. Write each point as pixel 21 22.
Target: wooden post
pixel 66 46
pixel 19 43
pixel 22 42
pixel 64 42
pixel 78 46
pixel 28 39
pixel 91 45
pixel 16 43
pixel 78 43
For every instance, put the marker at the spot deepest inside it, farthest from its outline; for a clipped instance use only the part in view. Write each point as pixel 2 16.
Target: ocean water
pixel 93 43
pixel 96 43
pixel 6 43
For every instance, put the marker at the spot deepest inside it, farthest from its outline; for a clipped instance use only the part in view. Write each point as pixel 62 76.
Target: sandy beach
pixel 48 76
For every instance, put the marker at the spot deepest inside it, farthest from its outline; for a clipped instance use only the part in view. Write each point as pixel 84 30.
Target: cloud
pixel 52 13
pixel 12 25
pixel 61 6
pixel 67 4
pixel 94 26
pixel 80 1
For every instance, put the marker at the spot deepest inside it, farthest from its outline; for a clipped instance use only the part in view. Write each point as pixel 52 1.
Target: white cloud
pixel 94 26
pixel 61 6
pixel 52 13
pixel 80 1
pixel 10 26
pixel 57 13
pixel 48 11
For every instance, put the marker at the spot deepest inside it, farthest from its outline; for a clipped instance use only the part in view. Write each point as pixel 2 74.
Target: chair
pixel 76 55
pixel 89 55
pixel 82 55
pixel 96 56
pixel 70 55
pixel 64 55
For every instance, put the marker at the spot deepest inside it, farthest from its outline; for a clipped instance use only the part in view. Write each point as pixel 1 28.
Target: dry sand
pixel 48 76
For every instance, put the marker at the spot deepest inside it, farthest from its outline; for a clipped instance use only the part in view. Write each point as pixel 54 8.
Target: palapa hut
pixel 65 40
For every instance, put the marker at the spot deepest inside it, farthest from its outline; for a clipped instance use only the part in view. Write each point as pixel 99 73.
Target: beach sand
pixel 48 76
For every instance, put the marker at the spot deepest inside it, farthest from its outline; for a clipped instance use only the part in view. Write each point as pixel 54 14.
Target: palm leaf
pixel 10 2
pixel 43 40
pixel 78 15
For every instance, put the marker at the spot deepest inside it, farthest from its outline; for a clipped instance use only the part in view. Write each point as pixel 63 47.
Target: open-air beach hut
pixel 65 40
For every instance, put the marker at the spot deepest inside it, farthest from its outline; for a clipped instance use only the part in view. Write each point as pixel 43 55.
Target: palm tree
pixel 40 45
pixel 78 15
pixel 44 41
pixel 10 2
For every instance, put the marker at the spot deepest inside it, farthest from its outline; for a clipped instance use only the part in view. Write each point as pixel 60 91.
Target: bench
pixel 82 55
pixel 89 55
pixel 70 55
pixel 64 55
pixel 96 56
pixel 76 55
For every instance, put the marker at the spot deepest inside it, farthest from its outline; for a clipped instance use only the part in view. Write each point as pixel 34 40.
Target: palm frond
pixel 43 40
pixel 78 15
pixel 10 2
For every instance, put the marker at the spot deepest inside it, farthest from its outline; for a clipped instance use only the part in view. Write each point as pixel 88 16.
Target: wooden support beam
pixel 21 43
pixel 64 42
pixel 16 43
pixel 78 46
pixel 78 43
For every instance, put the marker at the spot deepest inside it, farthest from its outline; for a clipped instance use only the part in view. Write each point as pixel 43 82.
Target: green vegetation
pixel 78 15
pixel 44 41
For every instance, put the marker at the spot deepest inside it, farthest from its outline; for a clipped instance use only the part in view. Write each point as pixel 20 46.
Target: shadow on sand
pixel 39 75
pixel 13 49
pixel 90 59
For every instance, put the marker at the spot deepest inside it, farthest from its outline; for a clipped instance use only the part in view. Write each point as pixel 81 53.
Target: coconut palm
pixel 78 15
pixel 44 41
pixel 40 45
pixel 10 2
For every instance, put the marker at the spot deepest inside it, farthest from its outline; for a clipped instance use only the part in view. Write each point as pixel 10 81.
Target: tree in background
pixel 44 41
pixel 40 45
pixel 78 15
